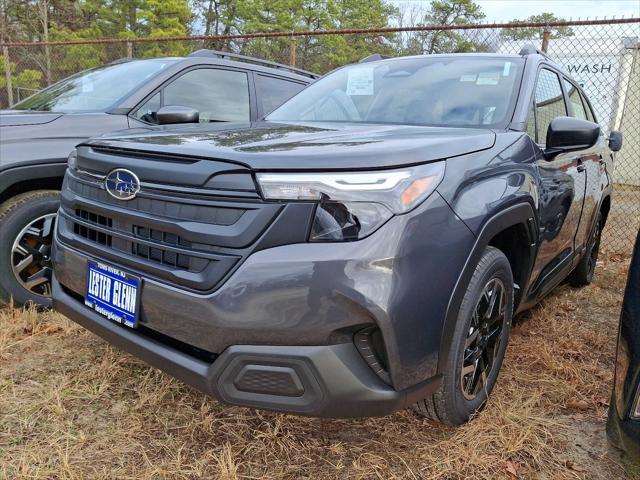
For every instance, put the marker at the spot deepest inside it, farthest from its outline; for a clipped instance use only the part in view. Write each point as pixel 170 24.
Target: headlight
pixel 353 205
pixel 72 159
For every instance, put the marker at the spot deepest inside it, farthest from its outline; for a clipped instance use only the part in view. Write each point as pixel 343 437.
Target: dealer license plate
pixel 113 293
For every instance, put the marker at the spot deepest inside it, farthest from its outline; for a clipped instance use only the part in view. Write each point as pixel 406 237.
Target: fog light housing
pixel 370 344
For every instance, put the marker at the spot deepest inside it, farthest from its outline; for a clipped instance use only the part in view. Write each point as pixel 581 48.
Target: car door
pixel 218 94
pixel 591 159
pixel 562 187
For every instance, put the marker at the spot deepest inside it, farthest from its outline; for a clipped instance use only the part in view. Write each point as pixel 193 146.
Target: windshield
pixel 435 91
pixel 94 90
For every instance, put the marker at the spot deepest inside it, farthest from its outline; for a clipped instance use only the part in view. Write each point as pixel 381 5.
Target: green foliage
pixel 450 12
pixel 320 53
pixel 141 18
pixel 535 33
pixel 28 80
pixel 71 59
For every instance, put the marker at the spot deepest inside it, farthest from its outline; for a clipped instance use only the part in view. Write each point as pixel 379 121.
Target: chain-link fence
pixel 603 56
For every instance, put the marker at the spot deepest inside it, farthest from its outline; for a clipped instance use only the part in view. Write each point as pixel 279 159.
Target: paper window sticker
pixel 360 81
pixel 488 78
pixel 506 69
pixel 468 78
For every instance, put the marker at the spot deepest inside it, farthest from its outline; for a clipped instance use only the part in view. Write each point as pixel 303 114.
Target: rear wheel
pixel 478 344
pixel 584 271
pixel 27 223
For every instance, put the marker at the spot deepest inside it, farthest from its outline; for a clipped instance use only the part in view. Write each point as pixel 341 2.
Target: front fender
pixel 490 193
pixel 521 213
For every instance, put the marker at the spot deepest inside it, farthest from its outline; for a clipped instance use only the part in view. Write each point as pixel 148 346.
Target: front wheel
pixel 478 345
pixel 582 275
pixel 27 223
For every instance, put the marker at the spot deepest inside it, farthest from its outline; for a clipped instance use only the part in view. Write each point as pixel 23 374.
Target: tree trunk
pixel 44 19
pixel 7 75
pixel 208 18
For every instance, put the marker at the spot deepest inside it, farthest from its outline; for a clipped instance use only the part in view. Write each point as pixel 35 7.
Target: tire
pixel 582 275
pixel 457 400
pixel 27 223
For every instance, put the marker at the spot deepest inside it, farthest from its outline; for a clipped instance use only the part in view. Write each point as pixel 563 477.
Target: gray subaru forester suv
pixel 362 249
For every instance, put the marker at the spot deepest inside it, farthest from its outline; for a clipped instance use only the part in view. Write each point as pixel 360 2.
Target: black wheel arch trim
pixel 518 214
pixel 13 176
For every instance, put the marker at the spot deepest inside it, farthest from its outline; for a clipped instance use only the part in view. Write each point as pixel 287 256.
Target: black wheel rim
pixel 483 339
pixel 31 255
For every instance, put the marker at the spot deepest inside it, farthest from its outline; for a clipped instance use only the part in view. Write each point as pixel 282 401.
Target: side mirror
pixel 566 134
pixel 177 114
pixel 615 141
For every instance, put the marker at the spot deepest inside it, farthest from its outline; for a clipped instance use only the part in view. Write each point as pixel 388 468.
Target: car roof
pixel 213 57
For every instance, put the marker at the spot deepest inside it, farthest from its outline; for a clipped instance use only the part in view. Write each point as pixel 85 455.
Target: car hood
pixel 303 146
pixel 14 118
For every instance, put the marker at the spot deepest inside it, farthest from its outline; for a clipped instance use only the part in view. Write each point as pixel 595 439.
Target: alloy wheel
pixel 31 255
pixel 483 339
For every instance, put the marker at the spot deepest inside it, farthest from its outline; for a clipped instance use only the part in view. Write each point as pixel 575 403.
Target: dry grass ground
pixel 73 407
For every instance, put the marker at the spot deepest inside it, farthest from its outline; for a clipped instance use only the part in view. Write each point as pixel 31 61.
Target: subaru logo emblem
pixel 122 184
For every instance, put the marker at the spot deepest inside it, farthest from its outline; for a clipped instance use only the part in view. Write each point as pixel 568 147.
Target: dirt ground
pixel 73 407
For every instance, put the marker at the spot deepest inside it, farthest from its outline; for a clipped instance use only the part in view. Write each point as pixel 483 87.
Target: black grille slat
pixel 212 214
pixel 156 253
pixel 90 233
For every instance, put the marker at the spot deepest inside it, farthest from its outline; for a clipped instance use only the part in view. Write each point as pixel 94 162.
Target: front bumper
pixel 325 381
pixel 398 280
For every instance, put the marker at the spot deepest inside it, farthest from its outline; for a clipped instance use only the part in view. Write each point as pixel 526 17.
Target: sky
pixel 506 10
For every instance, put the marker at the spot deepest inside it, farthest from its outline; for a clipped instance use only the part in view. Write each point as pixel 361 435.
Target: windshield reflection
pixel 94 90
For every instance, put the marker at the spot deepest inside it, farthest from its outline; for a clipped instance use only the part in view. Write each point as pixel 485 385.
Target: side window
pixel 549 102
pixel 587 108
pixel 219 95
pixel 576 102
pixel 273 92
pixel 147 112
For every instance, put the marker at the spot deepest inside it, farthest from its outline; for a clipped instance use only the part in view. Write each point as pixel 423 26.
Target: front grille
pixel 91 233
pixel 192 241
pixel 155 254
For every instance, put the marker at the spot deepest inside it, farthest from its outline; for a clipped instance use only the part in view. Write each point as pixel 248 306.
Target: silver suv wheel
pixel 31 255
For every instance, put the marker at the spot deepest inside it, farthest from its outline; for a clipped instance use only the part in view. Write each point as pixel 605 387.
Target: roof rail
pixel 530 49
pixel 373 58
pixel 204 52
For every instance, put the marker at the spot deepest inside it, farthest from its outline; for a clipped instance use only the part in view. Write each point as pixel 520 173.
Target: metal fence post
pixel 292 52
pixel 546 34
pixel 7 74
pixel 129 50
